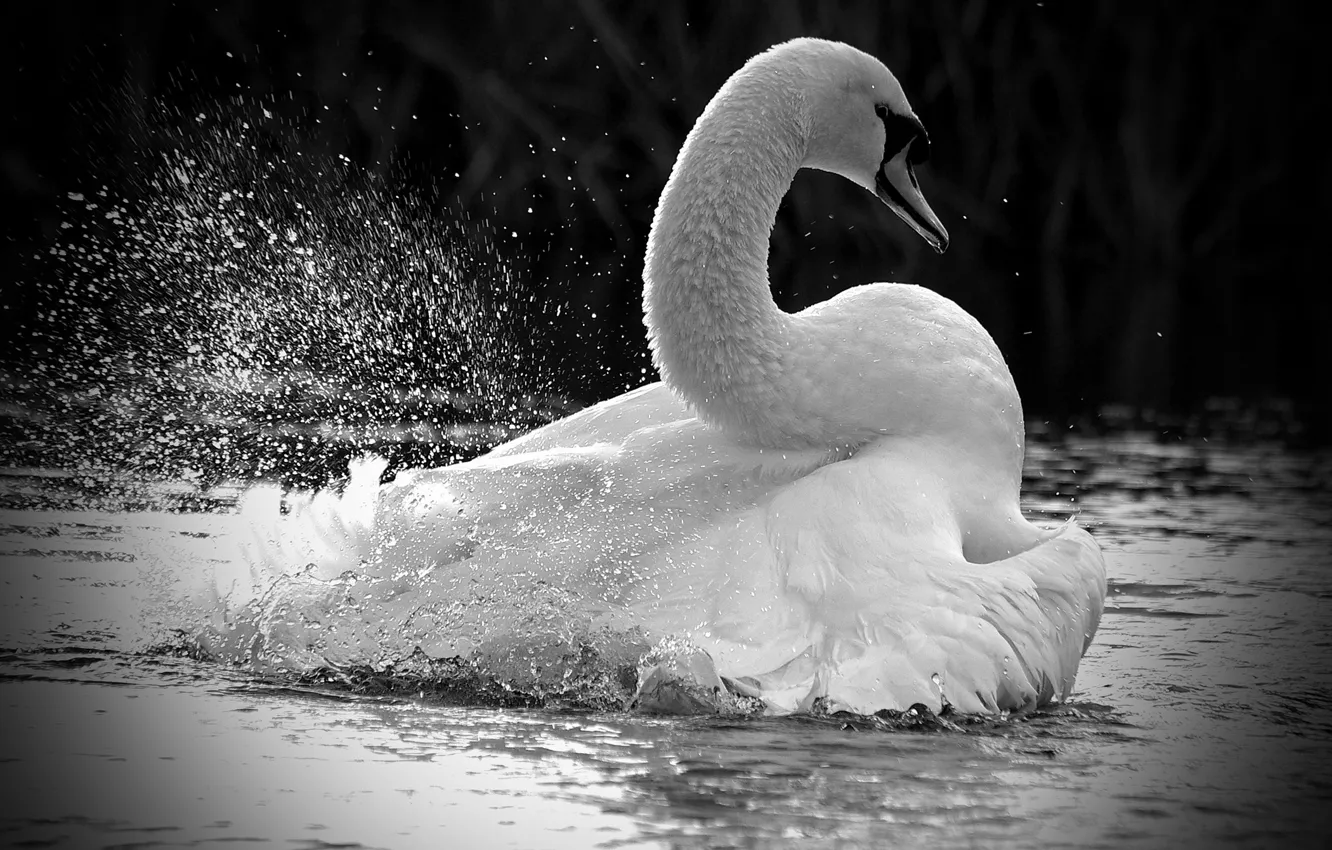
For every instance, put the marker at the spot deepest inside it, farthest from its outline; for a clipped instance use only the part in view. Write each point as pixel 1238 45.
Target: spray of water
pixel 240 307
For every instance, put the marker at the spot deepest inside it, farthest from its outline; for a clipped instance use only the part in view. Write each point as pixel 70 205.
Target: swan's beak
pixel 896 186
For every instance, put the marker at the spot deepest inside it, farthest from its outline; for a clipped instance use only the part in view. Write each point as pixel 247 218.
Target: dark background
pixel 1137 193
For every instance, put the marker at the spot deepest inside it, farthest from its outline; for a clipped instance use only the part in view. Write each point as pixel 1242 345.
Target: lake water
pixel 1202 715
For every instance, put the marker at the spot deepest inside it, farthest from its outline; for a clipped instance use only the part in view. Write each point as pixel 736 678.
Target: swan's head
pixel 861 127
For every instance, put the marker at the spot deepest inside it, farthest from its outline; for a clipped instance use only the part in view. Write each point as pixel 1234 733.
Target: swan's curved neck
pixel 717 337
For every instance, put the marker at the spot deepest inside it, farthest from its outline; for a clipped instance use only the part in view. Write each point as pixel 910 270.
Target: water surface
pixel 1202 715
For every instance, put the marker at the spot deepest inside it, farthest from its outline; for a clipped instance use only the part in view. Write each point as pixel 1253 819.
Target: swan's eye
pixel 881 111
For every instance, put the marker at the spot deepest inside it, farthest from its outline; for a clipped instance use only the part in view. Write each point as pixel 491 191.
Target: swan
pixel 821 507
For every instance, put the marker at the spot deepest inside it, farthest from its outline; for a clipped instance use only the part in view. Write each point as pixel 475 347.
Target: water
pixel 1202 716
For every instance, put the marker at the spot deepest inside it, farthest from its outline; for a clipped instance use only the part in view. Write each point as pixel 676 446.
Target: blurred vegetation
pixel 1136 192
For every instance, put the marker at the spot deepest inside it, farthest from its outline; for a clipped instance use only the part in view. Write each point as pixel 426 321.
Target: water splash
pixel 238 306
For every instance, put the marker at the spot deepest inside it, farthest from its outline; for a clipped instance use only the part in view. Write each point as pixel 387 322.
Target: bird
pixel 815 510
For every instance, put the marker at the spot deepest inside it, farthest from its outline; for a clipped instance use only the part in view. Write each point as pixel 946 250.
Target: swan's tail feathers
pixel 1006 636
pixel 1051 625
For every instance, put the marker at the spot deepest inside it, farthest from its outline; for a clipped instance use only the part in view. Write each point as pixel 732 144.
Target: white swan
pixel 824 504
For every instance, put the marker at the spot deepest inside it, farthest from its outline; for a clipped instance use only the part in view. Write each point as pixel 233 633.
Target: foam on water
pixel 305 593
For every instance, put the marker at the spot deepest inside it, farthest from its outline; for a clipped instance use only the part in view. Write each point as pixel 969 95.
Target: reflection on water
pixel 1203 712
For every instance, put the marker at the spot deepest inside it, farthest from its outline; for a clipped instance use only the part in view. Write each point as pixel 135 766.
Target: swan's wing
pixel 553 467
pixel 1055 594
pixel 611 421
pixel 844 580
pixel 596 528
pixel 1007 635
pixel 855 589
